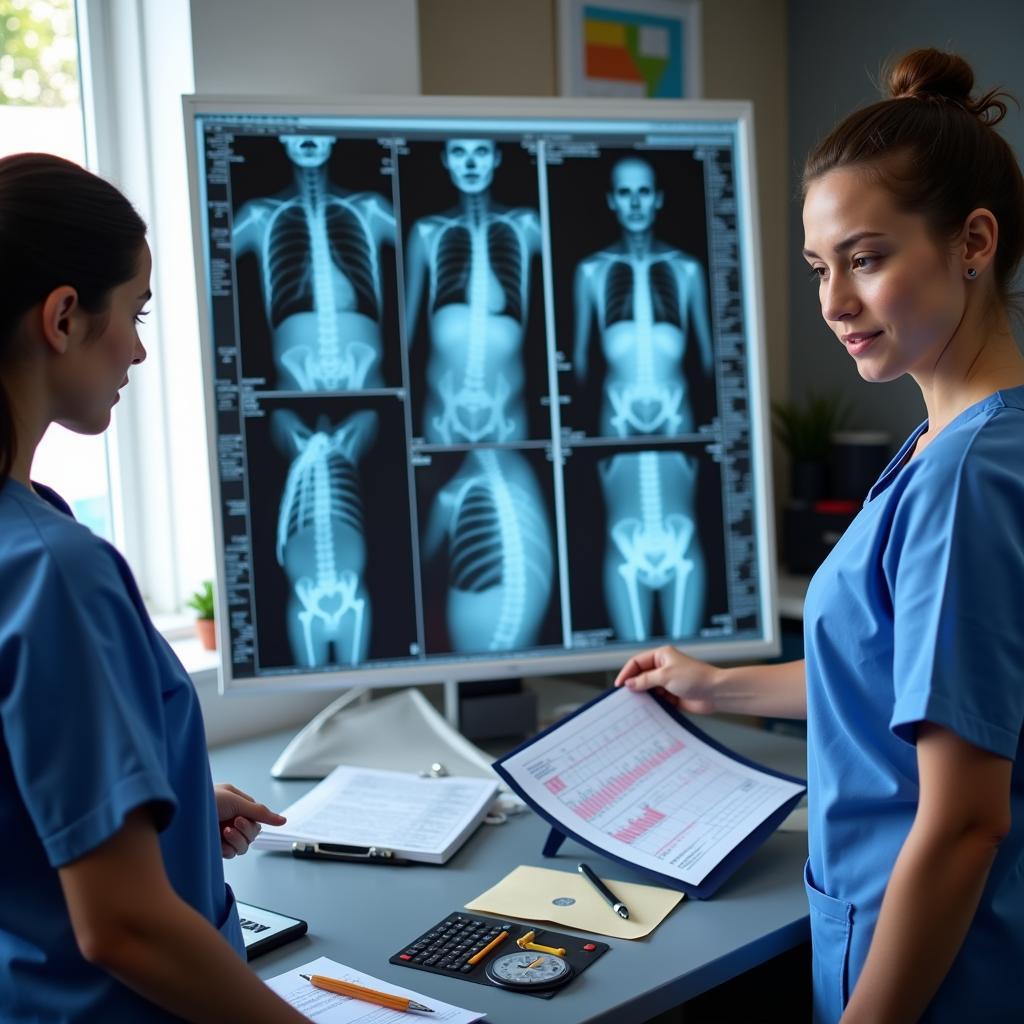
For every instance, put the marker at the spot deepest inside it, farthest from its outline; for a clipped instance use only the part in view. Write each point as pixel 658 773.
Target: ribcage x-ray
pixel 490 525
pixel 652 550
pixel 641 303
pixel 321 537
pixel 318 248
pixel 470 266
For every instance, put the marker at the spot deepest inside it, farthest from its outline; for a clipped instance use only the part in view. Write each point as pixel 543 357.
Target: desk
pixel 361 914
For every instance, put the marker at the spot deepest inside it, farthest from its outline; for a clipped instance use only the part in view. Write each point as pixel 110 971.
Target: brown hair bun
pixel 930 74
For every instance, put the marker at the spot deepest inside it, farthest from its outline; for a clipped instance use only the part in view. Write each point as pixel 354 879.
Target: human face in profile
pixel 471 163
pixel 634 197
pixel 96 366
pixel 888 291
pixel 308 150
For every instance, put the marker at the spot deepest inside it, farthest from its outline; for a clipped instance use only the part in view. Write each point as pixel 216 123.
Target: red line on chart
pixel 638 826
pixel 615 787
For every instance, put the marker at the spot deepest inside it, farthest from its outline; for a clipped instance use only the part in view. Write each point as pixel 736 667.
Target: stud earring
pixel 972 273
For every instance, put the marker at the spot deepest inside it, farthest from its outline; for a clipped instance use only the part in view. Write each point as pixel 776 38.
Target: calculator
pixel 485 950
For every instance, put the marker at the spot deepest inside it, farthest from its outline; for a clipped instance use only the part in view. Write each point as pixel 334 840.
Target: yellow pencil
pixel 369 995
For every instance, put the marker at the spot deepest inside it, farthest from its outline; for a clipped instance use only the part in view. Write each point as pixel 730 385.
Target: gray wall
pixel 835 53
pixel 305 47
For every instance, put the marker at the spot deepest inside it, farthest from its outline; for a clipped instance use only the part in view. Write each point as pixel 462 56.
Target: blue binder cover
pixel 561 830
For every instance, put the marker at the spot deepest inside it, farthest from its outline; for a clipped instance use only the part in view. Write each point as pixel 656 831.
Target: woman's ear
pixel 979 240
pixel 60 315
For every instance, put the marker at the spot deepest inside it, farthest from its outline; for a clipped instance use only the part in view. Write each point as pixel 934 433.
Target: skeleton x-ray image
pixel 647 517
pixel 641 332
pixel 322 265
pixel 652 551
pixel 320 537
pixel 329 519
pixel 489 537
pixel 468 294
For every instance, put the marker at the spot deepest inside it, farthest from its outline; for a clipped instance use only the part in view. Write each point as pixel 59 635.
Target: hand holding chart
pixel 634 779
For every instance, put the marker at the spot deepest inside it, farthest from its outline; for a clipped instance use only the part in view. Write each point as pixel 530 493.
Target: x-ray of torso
pixel 644 296
pixel 491 525
pixel 320 537
pixel 471 266
pixel 319 250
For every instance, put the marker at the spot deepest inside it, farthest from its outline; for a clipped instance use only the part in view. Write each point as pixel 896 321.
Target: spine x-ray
pixel 320 537
pixel 319 249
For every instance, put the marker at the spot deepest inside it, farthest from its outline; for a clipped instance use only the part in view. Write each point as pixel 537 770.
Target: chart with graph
pixel 629 777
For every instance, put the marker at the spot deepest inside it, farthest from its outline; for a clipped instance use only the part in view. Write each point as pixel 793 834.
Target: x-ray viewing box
pixel 485 385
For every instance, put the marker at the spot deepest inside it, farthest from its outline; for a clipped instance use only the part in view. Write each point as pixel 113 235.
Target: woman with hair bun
pixel 113 905
pixel 913 678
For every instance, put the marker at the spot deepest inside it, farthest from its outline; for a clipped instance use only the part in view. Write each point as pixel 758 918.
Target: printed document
pixel 328 1008
pixel 424 819
pixel 629 778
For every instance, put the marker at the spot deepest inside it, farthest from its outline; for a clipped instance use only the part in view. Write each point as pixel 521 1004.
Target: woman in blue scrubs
pixel 913 679
pixel 113 905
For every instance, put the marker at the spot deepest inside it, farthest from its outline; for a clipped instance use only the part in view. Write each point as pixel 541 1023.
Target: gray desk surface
pixel 361 914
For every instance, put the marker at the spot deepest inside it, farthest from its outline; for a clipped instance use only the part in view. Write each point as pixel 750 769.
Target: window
pixel 100 82
pixel 41 111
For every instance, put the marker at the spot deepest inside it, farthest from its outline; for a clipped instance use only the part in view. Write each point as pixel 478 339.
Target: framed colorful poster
pixel 632 48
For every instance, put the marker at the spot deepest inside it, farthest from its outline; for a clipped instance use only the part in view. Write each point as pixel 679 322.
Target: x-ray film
pixel 483 390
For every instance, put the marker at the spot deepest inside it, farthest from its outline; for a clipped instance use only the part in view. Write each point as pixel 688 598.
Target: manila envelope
pixel 566 897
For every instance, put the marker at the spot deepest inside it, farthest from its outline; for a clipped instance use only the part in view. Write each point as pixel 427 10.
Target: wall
pixel 488 47
pixel 834 52
pixel 305 47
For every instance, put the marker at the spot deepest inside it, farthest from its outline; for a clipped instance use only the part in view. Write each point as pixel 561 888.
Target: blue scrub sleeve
pixel 81 707
pixel 958 658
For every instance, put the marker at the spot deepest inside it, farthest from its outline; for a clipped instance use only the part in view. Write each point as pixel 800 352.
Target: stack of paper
pixel 329 1008
pixel 421 819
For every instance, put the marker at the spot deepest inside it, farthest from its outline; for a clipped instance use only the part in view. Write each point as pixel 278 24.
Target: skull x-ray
pixel 467 277
pixel 319 252
pixel 489 525
pixel 320 537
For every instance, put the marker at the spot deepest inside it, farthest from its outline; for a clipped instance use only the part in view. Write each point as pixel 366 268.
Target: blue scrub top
pixel 916 615
pixel 97 717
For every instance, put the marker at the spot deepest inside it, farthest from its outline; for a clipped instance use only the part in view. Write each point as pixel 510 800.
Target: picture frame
pixel 630 48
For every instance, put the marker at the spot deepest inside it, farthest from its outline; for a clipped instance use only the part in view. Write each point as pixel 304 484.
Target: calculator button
pixel 404 956
pixel 465 969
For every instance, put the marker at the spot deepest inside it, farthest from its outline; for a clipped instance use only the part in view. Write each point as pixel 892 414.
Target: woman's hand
pixel 240 816
pixel 686 682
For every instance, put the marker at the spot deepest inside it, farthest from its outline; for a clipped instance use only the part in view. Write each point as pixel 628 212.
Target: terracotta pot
pixel 207 633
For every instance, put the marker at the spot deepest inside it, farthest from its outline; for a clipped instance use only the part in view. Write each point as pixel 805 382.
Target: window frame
pixel 135 64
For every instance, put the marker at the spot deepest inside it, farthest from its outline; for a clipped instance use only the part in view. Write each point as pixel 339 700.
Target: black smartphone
pixel 264 929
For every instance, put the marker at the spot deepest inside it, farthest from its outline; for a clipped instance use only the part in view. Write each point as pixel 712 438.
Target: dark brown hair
pixel 59 225
pixel 932 145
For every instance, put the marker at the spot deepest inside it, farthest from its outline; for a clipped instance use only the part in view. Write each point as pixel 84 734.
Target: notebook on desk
pixel 399 814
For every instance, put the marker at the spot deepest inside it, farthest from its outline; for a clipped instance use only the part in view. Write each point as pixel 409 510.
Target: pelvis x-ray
pixel 320 537
pixel 318 248
pixel 470 266
pixel 652 549
pixel 491 526
pixel 646 300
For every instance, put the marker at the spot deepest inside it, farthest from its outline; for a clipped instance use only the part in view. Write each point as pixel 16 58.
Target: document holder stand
pixel 561 829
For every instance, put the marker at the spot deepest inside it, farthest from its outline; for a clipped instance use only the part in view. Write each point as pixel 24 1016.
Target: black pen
pixel 614 902
pixel 337 851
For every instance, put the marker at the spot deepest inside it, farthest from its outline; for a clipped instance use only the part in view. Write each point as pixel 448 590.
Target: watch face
pixel 529 970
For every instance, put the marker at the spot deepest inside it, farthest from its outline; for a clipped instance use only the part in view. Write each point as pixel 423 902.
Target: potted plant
pixel 805 430
pixel 202 602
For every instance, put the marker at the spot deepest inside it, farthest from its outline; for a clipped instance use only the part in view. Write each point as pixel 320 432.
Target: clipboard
pixel 562 829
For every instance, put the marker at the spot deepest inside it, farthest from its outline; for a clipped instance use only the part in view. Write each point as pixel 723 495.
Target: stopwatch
pixel 529 970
